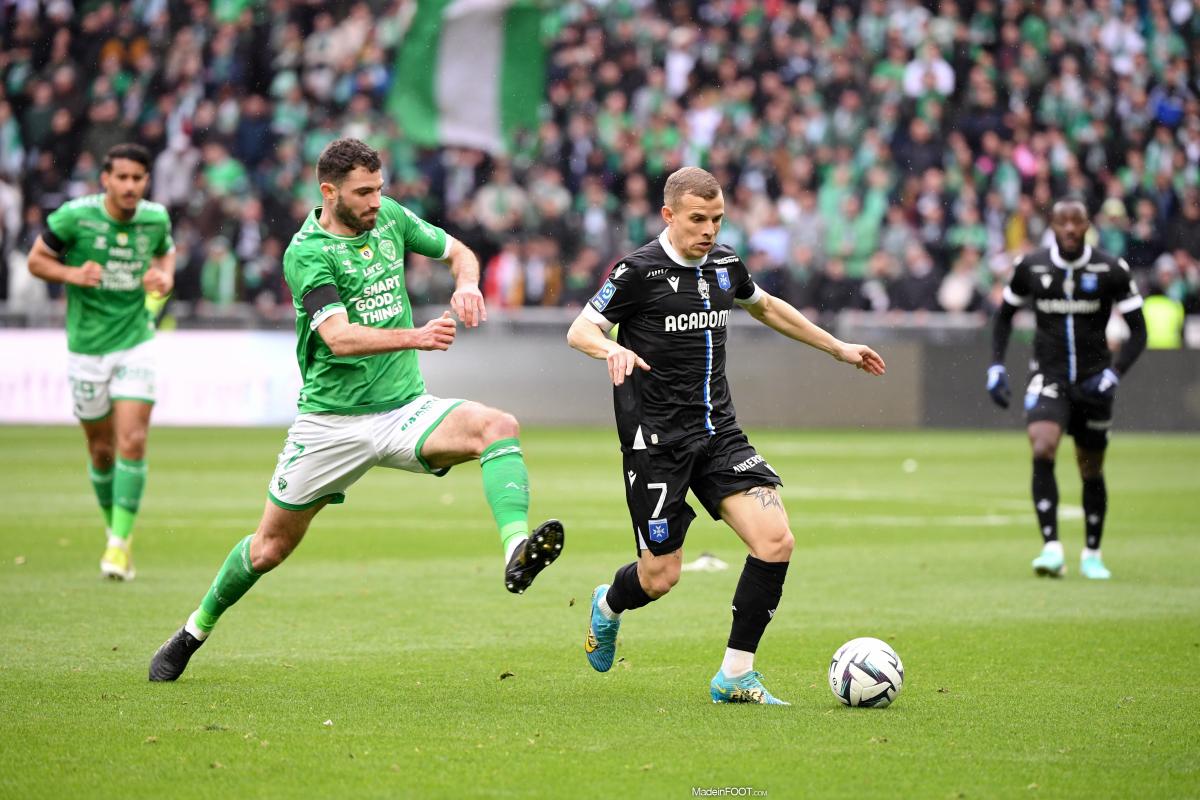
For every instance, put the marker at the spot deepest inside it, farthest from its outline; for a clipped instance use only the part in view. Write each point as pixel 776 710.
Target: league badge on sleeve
pixel 600 301
pixel 659 530
pixel 723 278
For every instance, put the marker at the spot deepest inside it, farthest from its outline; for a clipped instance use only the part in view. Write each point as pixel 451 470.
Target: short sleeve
pixel 165 244
pixel 745 291
pixel 1019 287
pixel 62 224
pixel 1126 296
pixel 420 236
pixel 309 276
pixel 618 298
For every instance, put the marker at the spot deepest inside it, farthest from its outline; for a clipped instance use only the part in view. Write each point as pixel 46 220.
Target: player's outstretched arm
pixel 467 300
pixel 44 263
pixel 782 316
pixel 346 338
pixel 588 338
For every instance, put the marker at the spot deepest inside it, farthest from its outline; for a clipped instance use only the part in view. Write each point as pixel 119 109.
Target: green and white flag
pixel 470 73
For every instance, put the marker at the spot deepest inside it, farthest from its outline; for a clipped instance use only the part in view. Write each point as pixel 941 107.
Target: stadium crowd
pixel 884 155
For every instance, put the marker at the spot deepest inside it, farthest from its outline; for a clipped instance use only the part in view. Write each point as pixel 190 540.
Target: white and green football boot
pixel 1049 563
pixel 1090 566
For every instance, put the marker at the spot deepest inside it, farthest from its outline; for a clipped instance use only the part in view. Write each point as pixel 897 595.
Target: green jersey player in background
pixel 110 249
pixel 364 403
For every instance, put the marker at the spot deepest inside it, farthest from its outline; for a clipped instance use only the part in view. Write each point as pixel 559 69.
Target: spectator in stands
pixel 952 130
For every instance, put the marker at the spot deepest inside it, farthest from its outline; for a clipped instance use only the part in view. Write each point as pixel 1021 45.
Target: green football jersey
pixel 366 273
pixel 112 316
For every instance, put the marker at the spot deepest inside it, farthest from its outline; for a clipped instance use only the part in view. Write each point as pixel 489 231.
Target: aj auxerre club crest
pixel 723 278
pixel 1089 282
pixel 702 287
pixel 387 249
pixel 659 530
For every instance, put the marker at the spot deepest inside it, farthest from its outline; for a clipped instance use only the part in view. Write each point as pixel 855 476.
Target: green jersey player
pixel 364 403
pixel 110 249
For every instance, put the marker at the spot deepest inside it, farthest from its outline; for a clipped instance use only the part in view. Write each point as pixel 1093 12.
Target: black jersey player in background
pixel 676 423
pixel 1072 290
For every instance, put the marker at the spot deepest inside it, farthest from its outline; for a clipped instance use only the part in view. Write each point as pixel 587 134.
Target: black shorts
pixel 657 480
pixel 1085 417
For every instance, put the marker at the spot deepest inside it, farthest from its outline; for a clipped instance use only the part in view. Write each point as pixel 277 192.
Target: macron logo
pixel 674 281
pixel 619 271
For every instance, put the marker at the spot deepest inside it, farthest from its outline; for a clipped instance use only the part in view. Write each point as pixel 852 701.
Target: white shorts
pixel 96 381
pixel 326 453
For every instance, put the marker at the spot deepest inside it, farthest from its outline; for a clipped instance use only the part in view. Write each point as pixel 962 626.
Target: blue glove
pixel 1102 384
pixel 997 385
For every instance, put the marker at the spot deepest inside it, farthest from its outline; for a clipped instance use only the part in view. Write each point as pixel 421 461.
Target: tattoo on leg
pixel 768 496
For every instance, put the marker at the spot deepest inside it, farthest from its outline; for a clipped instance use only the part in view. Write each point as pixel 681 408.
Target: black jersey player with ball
pixel 676 423
pixel 1072 290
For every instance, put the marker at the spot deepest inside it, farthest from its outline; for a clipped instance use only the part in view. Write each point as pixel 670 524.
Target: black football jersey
pixel 674 313
pixel 1072 302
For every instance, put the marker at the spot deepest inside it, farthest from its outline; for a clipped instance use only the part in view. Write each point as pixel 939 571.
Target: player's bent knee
pixel 659 582
pixel 102 453
pixel 269 554
pixel 500 425
pixel 776 548
pixel 132 445
pixel 659 585
pixel 1044 449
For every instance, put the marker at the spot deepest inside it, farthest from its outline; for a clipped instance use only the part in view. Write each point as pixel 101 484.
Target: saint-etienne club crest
pixel 723 278
pixel 387 249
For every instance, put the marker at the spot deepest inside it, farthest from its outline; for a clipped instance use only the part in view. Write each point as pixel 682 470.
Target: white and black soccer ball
pixel 866 672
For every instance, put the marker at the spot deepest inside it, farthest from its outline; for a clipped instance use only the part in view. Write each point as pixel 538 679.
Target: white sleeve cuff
pixel 1012 298
pixel 752 299
pixel 326 313
pixel 1130 304
pixel 446 253
pixel 596 318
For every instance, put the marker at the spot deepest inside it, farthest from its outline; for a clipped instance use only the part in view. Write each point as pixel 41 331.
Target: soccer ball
pixel 866 672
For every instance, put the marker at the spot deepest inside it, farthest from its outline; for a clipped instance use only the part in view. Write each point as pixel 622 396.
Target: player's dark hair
pixel 129 150
pixel 1069 202
pixel 341 156
pixel 690 180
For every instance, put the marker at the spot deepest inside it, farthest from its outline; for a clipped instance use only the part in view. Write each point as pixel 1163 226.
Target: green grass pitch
pixel 370 664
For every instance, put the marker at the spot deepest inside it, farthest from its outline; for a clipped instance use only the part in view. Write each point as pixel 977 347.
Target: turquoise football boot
pixel 1092 567
pixel 601 642
pixel 746 689
pixel 1049 564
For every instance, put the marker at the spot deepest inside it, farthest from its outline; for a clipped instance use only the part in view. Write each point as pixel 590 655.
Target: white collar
pixel 1061 263
pixel 672 254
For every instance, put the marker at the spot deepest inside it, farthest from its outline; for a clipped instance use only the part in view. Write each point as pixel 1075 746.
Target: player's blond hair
pixel 690 180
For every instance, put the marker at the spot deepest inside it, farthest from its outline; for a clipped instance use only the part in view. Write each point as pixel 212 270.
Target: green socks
pixel 234 580
pixel 506 487
pixel 102 483
pixel 127 486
